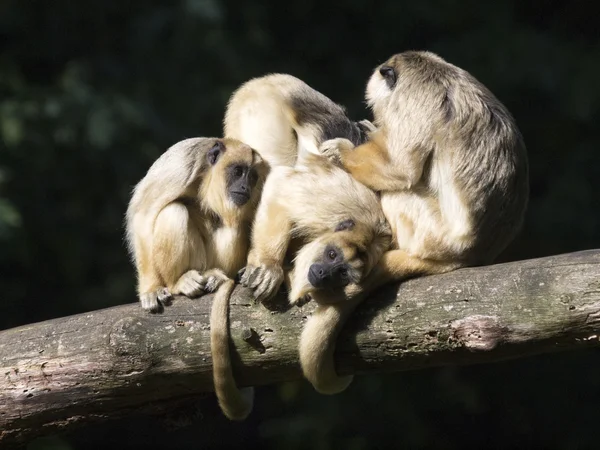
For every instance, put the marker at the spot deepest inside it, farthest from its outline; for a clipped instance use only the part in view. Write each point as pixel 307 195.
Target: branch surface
pixel 108 363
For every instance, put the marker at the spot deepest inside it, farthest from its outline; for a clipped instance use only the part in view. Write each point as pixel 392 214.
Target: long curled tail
pixel 235 403
pixel 317 345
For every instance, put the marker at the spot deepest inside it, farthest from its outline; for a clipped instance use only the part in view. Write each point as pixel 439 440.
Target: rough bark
pixel 106 363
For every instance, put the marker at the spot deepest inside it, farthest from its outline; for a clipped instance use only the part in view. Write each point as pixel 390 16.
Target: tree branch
pixel 106 363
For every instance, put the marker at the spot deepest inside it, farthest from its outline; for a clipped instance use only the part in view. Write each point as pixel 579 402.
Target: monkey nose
pixel 316 275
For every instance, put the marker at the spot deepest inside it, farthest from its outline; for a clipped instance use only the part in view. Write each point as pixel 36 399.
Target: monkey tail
pixel 235 403
pixel 317 346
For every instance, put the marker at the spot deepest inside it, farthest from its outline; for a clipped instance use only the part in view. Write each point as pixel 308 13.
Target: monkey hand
pixel 155 300
pixel 213 279
pixel 367 126
pixel 265 280
pixel 334 149
pixel 301 301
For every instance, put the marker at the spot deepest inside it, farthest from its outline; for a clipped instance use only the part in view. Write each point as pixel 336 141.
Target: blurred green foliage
pixel 92 92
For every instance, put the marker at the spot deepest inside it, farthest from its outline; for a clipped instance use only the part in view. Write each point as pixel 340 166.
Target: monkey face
pixel 331 271
pixel 241 180
pixel 235 175
pixel 330 267
pixel 326 266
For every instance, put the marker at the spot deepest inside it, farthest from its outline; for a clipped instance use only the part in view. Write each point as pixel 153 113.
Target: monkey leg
pixel 319 336
pixel 178 251
pixel 151 290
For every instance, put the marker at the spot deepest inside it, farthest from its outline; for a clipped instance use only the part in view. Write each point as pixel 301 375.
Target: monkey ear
pixel 215 152
pixel 256 158
pixel 347 224
pixel 389 75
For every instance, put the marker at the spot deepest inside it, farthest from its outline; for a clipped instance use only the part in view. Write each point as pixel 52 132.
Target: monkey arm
pixel 317 342
pixel 370 164
pixel 317 346
pixel 398 265
pixel 270 240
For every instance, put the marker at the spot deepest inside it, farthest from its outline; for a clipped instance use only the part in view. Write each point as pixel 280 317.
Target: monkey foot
pixel 191 284
pixel 154 301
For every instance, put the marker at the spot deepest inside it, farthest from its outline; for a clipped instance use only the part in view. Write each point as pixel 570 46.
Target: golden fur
pixel 187 235
pixel 308 206
pixel 282 117
pixel 449 163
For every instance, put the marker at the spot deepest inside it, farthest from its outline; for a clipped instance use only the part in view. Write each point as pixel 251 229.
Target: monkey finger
pixel 256 277
pixel 302 300
pixel 164 296
pixel 239 276
pixel 267 288
pixel 213 283
pixel 367 126
pixel 247 275
pixel 263 292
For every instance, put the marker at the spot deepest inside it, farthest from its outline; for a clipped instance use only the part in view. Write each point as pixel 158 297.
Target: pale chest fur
pixel 230 245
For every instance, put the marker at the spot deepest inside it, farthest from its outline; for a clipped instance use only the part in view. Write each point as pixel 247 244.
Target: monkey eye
pixel 238 171
pixel 213 154
pixel 389 75
pixel 331 254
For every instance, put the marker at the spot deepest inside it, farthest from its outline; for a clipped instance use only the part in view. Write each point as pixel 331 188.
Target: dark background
pixel 91 92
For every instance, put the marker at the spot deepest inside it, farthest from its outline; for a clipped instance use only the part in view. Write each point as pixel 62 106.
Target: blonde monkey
pixel 188 230
pixel 282 117
pixel 337 222
pixel 449 163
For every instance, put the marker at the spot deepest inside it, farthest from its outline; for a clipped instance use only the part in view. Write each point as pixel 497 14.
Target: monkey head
pixel 233 179
pixel 413 93
pixel 328 267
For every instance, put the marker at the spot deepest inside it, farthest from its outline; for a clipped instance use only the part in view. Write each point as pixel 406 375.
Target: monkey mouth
pixel 240 198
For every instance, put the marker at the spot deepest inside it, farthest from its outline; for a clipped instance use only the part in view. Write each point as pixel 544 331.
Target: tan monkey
pixel 336 222
pixel 281 116
pixel 344 233
pixel 188 228
pixel 450 165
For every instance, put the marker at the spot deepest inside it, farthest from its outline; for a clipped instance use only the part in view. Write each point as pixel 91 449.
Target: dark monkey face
pixel 340 262
pixel 332 271
pixel 238 163
pixel 241 179
pixel 330 266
